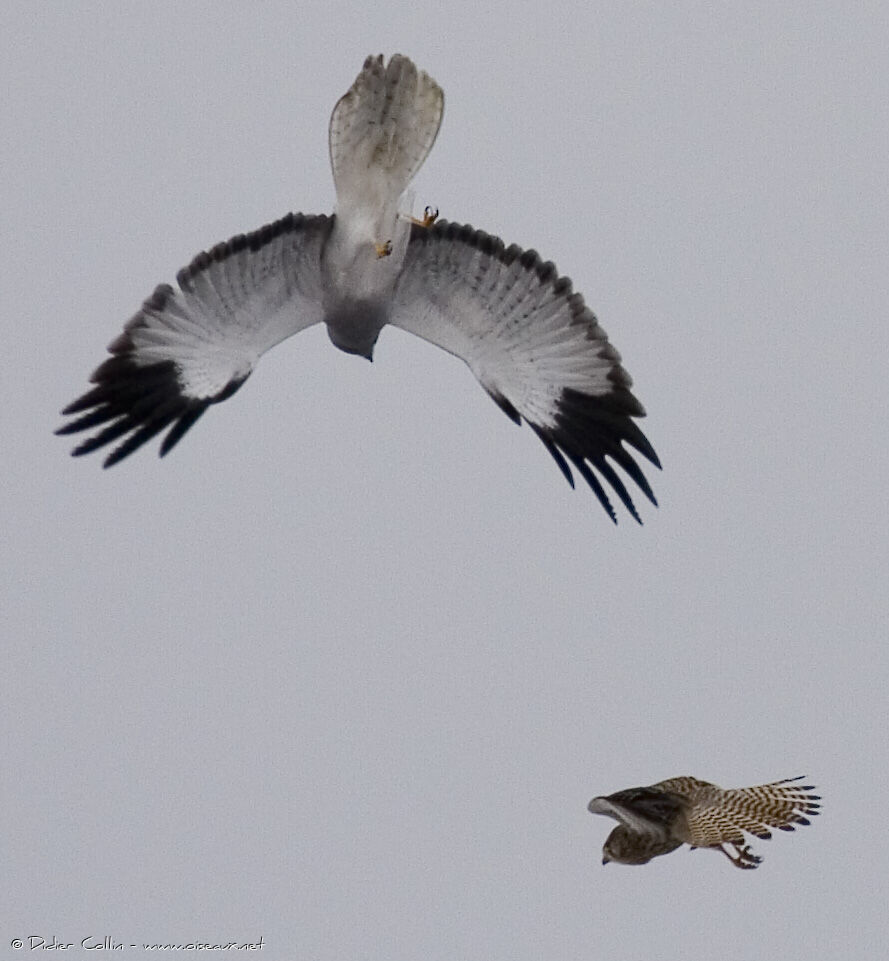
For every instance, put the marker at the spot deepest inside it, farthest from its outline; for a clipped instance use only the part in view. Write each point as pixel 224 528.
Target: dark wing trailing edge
pixel 533 344
pixel 190 348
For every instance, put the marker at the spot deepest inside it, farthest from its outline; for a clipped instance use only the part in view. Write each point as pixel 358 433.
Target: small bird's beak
pixel 606 859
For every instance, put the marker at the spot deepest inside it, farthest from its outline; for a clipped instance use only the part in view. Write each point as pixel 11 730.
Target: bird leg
pixel 430 215
pixel 745 857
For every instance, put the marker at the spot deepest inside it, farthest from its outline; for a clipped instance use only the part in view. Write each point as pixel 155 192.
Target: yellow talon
pixel 430 215
pixel 383 250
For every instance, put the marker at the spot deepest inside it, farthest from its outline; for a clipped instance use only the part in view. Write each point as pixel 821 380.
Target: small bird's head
pixel 628 847
pixel 624 847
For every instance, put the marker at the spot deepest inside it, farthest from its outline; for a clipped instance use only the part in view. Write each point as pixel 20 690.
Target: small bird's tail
pixel 781 804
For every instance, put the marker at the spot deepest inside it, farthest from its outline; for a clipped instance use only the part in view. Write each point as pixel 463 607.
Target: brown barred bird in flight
pixel 530 340
pixel 658 819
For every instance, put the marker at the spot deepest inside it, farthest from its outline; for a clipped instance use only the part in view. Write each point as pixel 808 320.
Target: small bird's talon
pixel 384 249
pixel 745 857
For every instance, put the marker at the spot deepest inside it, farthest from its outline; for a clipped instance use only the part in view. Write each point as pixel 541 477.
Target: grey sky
pixel 345 668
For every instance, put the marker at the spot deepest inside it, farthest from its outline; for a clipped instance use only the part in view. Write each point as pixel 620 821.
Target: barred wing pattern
pixel 718 815
pixel 534 346
pixel 192 347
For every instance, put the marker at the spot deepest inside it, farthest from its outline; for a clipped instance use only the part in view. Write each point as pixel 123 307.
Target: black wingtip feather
pixel 136 440
pixel 92 419
pixel 140 401
pixel 84 402
pixel 505 406
pixel 556 454
pixel 180 428
pixel 591 479
pixel 587 428
pixel 608 472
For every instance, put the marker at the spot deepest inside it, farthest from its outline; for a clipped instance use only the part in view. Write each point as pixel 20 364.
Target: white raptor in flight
pixel 533 344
